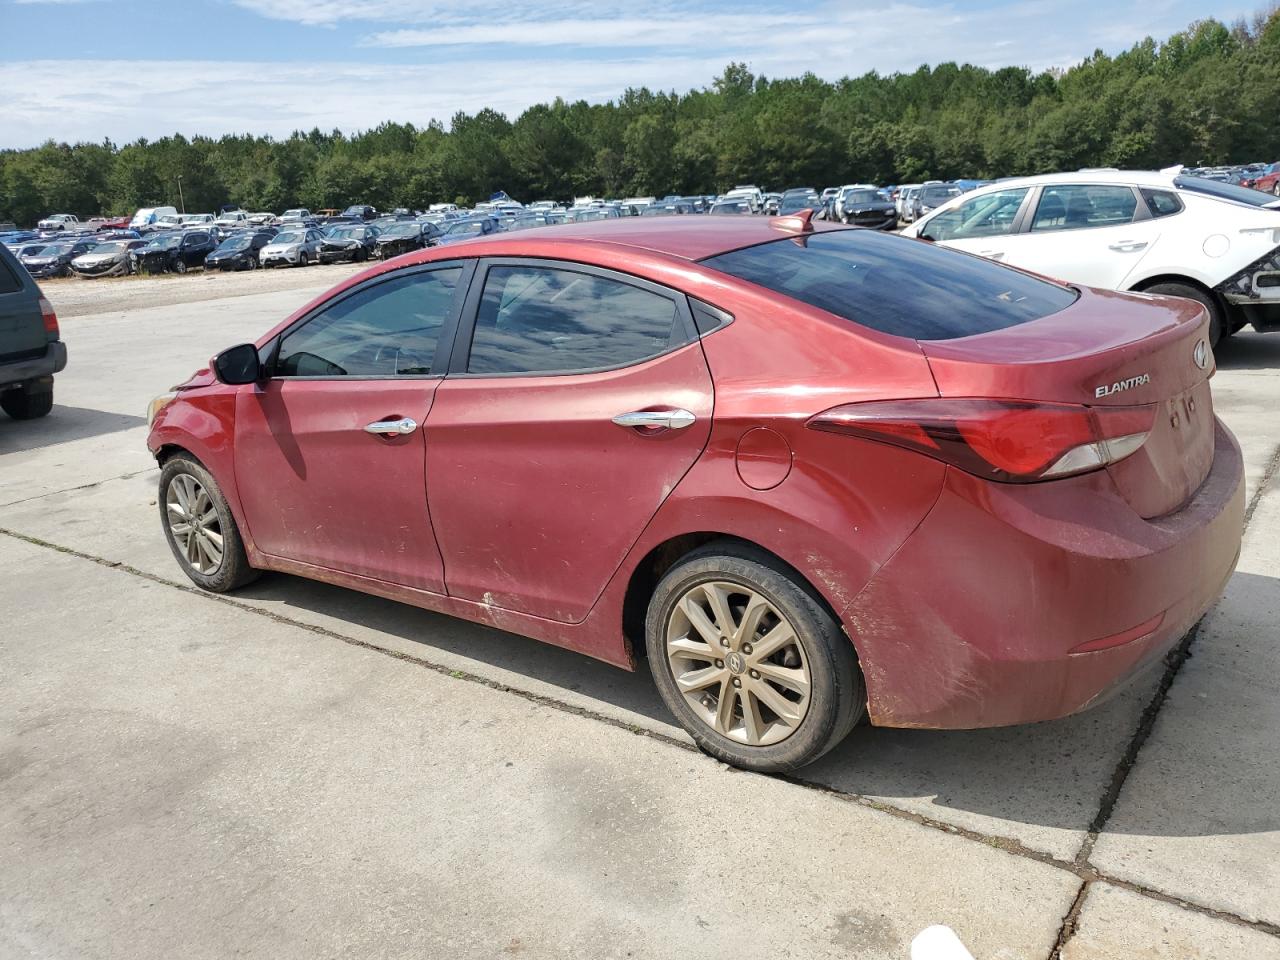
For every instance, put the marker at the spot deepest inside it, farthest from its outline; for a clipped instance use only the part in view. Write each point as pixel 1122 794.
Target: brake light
pixel 50 319
pixel 1012 441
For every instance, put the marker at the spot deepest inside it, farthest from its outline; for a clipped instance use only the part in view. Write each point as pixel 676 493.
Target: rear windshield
pixel 908 288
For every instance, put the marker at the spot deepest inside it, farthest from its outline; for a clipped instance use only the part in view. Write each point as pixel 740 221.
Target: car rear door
pixel 1091 234
pixel 329 450
pixel 576 401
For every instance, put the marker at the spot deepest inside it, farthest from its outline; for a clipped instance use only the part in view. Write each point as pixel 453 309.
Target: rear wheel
pixel 200 528
pixel 749 661
pixel 28 403
pixel 303 259
pixel 1189 292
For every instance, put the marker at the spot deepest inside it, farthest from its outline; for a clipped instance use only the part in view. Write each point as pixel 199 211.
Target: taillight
pixel 1013 441
pixel 50 319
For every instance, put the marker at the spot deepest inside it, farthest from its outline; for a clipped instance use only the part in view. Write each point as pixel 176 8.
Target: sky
pixel 89 70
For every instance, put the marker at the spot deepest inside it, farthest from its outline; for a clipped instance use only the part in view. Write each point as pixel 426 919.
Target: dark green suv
pixel 31 350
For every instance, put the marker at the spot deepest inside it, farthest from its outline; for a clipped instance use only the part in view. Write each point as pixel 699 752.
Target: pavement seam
pixel 1079 867
pixel 83 486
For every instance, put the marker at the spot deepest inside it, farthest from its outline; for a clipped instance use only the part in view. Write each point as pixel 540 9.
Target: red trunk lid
pixel 1107 349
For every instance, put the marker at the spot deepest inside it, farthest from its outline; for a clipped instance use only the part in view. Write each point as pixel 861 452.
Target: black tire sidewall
pixel 1188 292
pixel 836 697
pixel 235 570
pixel 25 404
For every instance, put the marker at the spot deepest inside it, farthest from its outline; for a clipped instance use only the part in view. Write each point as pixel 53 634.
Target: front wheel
pixel 180 266
pixel 200 528
pixel 303 259
pixel 750 661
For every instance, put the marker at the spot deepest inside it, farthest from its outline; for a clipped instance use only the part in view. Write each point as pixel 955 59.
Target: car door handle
pixel 392 427
pixel 992 254
pixel 1128 246
pixel 666 419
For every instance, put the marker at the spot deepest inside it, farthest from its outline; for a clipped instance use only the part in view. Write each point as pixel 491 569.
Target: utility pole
pixel 181 203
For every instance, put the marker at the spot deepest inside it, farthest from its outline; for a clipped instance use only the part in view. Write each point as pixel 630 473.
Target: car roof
pixel 1142 178
pixel 688 238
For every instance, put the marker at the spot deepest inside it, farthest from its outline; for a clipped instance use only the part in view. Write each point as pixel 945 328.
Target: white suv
pixel 1160 233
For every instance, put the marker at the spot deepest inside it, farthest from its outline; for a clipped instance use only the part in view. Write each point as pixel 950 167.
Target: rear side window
pixel 389 329
pixel 908 288
pixel 546 320
pixel 9 280
pixel 1077 206
pixel 1161 203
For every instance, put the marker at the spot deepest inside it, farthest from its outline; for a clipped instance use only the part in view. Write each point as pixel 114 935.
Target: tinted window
pixel 9 282
pixel 1161 203
pixel 936 195
pixel 1075 206
pixel 387 330
pixel 904 287
pixel 538 320
pixel 990 215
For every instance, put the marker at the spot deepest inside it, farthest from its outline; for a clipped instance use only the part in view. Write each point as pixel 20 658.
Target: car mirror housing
pixel 238 365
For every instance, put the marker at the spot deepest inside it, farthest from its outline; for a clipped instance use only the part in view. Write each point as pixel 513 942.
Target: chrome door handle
pixel 385 427
pixel 1128 246
pixel 668 419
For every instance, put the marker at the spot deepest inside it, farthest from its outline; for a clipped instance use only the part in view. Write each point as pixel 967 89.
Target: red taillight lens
pixel 50 319
pixel 1013 441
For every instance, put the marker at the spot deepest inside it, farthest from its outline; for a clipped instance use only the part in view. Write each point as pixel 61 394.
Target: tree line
pixel 1207 95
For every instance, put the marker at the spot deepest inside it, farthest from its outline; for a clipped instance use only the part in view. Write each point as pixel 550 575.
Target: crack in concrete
pixel 1079 867
pixel 83 486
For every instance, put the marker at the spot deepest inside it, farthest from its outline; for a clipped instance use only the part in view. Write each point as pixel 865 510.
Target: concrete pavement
pixel 246 743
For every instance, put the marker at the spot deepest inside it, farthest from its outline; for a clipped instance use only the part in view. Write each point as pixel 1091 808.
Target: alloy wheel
pixel 194 523
pixel 738 662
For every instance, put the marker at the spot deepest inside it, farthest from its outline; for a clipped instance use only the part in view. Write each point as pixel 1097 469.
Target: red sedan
pixel 814 472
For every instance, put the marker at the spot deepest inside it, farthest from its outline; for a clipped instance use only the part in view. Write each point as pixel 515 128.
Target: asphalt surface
pixel 301 771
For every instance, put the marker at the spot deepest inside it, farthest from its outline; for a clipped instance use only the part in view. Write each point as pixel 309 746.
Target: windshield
pixel 936 195
pixel 295 213
pixel 353 212
pixel 289 236
pixel 402 230
pixel 232 244
pixel 792 204
pixel 894 285
pixel 732 206
pixel 56 250
pixel 584 215
pixel 1224 191
pixel 116 246
pixel 165 243
pixel 463 228
pixel 346 233
pixel 861 196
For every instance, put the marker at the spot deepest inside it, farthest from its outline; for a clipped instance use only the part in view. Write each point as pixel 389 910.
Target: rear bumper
pixel 978 620
pixel 16 374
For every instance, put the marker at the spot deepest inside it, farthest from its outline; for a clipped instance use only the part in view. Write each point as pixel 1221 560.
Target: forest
pixel 1207 95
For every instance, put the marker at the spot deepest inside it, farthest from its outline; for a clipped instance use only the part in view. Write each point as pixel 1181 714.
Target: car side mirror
pixel 925 236
pixel 237 365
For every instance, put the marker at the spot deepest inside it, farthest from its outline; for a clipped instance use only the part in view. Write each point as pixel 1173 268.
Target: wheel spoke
pixel 715 594
pixel 773 641
pixel 787 711
pixel 686 648
pixel 701 679
pixel 757 607
pixel 214 538
pixel 751 719
pixel 724 710
pixel 698 618
pixel 793 678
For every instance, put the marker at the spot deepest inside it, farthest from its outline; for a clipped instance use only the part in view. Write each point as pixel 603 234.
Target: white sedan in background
pixel 1160 233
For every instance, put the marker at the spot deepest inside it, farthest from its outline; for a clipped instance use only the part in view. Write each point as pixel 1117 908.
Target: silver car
pixel 296 246
pixel 110 259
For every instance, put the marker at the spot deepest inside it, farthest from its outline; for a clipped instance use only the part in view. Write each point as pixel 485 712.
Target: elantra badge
pixel 1201 354
pixel 1107 389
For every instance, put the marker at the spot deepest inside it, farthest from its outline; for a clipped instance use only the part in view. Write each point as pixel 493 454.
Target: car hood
pixel 280 247
pixel 92 259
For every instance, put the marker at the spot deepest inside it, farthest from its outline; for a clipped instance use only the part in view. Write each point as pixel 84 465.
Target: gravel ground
pixel 73 297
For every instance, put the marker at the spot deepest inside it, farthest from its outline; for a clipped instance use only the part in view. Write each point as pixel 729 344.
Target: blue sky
pixel 123 69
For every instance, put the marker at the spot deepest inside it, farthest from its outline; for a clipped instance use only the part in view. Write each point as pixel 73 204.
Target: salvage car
pixel 815 472
pixel 239 251
pixel 1208 241
pixel 31 347
pixel 55 259
pixel 108 259
pixel 294 245
pixel 860 204
pixel 467 228
pixel 175 252
pixel 413 235
pixel 349 242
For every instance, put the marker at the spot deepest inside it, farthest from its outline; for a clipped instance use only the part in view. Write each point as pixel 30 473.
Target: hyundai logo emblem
pixel 1201 354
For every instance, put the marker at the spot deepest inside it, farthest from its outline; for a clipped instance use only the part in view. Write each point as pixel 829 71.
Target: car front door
pixel 982 224
pixel 1091 234
pixel 330 451
pixel 576 401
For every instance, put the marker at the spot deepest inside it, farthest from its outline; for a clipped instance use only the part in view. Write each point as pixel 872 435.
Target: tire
pixel 303 259
pixel 1275 189
pixel 1188 292
pixel 179 266
pixel 361 256
pixel 820 653
pixel 27 403
pixel 185 482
